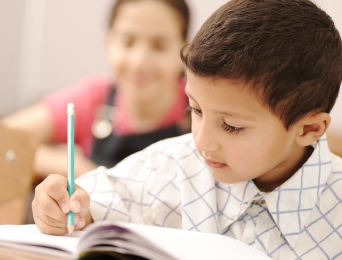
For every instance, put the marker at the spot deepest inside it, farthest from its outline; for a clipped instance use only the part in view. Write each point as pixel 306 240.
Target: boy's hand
pixel 52 203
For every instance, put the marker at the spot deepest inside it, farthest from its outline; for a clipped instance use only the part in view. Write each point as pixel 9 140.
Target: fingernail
pixel 65 208
pixel 75 205
pixel 80 223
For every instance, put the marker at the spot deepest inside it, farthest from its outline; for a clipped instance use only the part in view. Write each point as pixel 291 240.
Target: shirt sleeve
pixel 167 184
pixel 143 188
pixel 87 95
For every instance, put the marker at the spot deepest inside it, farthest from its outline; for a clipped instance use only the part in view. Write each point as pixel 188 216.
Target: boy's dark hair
pixel 179 6
pixel 289 50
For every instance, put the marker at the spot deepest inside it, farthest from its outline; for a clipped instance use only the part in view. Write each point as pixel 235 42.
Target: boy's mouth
pixel 214 164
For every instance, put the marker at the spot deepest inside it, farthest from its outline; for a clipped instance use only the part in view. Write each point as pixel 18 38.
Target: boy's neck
pixel 286 172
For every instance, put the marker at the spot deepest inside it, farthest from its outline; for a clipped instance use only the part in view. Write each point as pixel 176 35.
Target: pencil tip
pixel 71 230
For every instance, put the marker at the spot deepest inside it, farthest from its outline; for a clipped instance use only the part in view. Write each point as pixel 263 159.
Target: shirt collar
pixel 233 200
pixel 292 203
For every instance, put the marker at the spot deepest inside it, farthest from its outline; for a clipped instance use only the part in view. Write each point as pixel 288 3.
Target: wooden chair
pixel 335 143
pixel 16 174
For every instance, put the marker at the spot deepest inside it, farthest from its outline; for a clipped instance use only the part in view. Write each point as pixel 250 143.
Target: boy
pixel 262 77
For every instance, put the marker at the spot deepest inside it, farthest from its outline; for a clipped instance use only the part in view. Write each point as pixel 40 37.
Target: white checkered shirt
pixel 168 184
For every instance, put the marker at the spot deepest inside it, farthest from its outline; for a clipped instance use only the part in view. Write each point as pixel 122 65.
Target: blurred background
pixel 47 45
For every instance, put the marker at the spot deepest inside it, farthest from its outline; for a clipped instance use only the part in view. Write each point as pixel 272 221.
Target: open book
pixel 127 241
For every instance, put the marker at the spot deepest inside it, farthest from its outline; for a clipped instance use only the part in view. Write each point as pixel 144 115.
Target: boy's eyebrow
pixel 228 113
pixel 236 115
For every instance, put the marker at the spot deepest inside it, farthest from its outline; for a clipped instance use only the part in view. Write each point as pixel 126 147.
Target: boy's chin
pixel 224 176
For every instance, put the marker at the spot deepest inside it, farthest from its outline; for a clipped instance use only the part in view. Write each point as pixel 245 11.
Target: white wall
pixel 48 44
pixel 200 11
pixel 11 15
pixel 62 42
pixel 334 9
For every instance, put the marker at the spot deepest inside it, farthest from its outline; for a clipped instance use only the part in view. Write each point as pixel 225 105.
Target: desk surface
pixel 335 143
pixel 15 254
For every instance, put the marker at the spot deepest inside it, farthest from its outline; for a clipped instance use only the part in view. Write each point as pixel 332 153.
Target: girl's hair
pixel 179 6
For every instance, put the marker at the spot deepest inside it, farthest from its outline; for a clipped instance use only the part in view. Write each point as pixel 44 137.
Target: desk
pixel 335 143
pixel 15 254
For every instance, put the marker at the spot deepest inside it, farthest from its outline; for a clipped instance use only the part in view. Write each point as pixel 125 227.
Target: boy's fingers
pixel 79 224
pixel 46 218
pixel 79 201
pixel 45 205
pixel 50 219
pixel 55 186
pixel 47 228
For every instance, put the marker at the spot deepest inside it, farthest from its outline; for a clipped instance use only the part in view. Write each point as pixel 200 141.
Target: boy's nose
pixel 205 138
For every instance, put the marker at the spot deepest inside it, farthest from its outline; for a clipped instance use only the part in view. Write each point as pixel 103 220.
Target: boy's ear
pixel 312 127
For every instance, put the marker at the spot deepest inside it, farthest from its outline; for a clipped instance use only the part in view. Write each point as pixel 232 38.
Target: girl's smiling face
pixel 238 137
pixel 143 49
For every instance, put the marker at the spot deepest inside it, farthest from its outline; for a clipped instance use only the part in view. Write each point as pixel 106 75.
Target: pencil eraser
pixel 71 109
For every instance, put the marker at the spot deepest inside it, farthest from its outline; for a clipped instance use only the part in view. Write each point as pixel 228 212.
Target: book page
pixel 147 241
pixel 107 236
pixel 196 245
pixel 163 243
pixel 28 237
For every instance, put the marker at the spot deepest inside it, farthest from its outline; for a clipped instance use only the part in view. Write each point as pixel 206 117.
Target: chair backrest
pixel 335 143
pixel 17 149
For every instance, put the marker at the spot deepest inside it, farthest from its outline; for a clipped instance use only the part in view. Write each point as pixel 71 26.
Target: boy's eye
pixel 231 129
pixel 195 110
pixel 225 126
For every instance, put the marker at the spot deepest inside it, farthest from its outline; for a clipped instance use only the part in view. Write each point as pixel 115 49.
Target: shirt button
pixel 259 202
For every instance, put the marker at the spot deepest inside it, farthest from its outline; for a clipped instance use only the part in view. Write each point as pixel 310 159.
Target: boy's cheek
pixel 194 126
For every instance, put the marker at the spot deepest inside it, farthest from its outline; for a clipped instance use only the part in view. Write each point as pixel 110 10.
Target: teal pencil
pixel 71 114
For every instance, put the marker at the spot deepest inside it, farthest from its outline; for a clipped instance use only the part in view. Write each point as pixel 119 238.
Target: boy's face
pixel 239 138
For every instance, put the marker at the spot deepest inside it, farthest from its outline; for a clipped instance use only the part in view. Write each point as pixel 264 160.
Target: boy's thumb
pixel 63 203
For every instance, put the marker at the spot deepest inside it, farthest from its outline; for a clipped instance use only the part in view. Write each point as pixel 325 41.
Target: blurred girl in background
pixel 142 101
